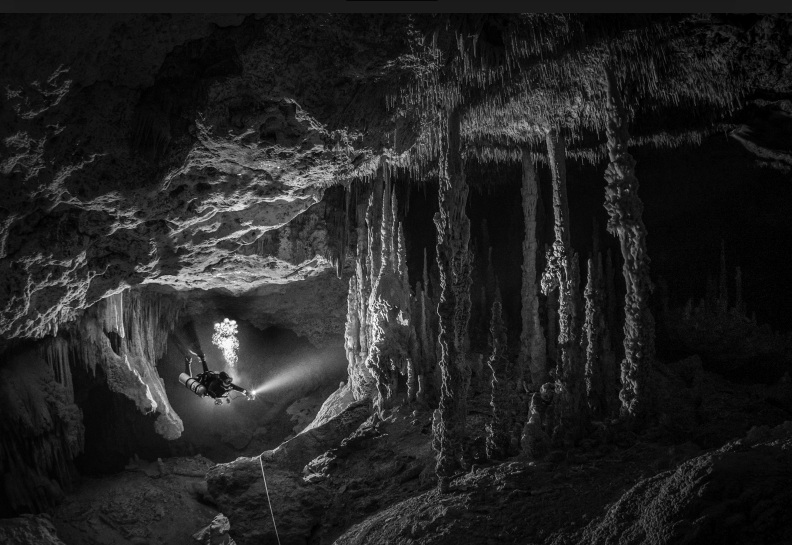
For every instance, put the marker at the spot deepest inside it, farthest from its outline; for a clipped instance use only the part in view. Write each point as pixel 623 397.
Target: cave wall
pixel 76 389
pixel 41 433
pixel 153 148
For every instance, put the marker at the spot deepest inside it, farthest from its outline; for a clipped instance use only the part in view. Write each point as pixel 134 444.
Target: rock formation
pixel 625 208
pixel 29 529
pixel 533 361
pixel 563 274
pixel 502 396
pixel 453 261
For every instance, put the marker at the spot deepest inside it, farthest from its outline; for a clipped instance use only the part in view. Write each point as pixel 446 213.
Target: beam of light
pixel 306 372
pixel 225 338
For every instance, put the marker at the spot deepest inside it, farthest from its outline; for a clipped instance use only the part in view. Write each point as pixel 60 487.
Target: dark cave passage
pixel 115 430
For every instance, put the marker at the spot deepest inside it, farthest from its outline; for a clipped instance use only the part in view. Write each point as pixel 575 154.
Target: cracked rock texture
pixel 27 529
pixel 739 493
pixel 152 149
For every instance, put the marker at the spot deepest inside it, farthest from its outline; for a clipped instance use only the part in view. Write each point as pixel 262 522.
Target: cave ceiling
pixel 170 150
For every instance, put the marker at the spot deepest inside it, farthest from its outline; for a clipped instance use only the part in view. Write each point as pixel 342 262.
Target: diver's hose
pixel 192 384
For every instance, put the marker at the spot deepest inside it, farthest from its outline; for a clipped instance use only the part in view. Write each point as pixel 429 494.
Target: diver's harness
pixel 199 385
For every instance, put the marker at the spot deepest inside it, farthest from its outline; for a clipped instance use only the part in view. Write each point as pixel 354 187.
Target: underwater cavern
pixel 315 279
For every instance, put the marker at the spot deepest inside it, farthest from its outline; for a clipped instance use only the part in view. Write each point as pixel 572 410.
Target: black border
pixel 390 6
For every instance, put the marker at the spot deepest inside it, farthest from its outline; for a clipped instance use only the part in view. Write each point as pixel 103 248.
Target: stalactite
pixel 453 236
pixel 499 428
pixel 625 209
pixel 393 341
pixel 401 255
pixel 533 360
pixel 56 353
pixel 352 339
pixel 563 274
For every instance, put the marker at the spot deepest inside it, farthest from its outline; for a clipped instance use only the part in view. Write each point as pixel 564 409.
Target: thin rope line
pixel 261 462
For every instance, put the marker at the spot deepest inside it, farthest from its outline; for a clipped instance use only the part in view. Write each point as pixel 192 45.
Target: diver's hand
pixel 250 395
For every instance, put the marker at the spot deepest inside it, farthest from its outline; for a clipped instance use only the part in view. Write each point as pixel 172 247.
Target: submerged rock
pixel 216 533
pixel 738 494
pixel 28 529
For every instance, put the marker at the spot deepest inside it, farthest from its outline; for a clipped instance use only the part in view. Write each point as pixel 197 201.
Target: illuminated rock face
pixel 625 209
pixel 157 151
pixel 453 261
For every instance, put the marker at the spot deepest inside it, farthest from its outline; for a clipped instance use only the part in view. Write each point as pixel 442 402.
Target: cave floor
pixel 147 503
pixel 380 487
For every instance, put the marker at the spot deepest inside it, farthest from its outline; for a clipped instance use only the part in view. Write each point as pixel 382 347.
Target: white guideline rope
pixel 268 499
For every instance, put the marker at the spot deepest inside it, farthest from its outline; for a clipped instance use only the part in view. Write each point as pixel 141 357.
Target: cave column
pixel 453 260
pixel 563 273
pixel 533 358
pixel 625 209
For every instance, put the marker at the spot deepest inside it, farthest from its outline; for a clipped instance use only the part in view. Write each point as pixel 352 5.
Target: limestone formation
pixel 533 360
pixel 216 533
pixel 563 274
pixel 453 261
pixel 625 209
pixel 41 433
pixel 535 440
pixel 27 529
pixel 600 373
pixel 501 400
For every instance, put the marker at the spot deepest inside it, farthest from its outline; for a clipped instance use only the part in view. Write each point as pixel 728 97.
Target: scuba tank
pixel 192 384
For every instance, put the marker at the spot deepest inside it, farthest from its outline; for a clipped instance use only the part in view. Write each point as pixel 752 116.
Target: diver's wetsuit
pixel 216 387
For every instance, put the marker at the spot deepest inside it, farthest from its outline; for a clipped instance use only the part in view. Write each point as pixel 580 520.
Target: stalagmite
pixel 563 274
pixel 533 361
pixel 499 428
pixel 388 342
pixel 357 330
pixel 594 334
pixel 625 209
pixel 427 338
pixel 453 261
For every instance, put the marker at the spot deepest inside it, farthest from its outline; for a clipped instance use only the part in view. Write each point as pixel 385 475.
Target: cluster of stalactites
pixel 625 210
pixel 540 74
pixel 381 341
pixel 454 264
pixel 125 334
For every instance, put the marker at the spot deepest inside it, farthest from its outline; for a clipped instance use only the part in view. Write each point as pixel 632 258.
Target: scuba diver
pixel 215 385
